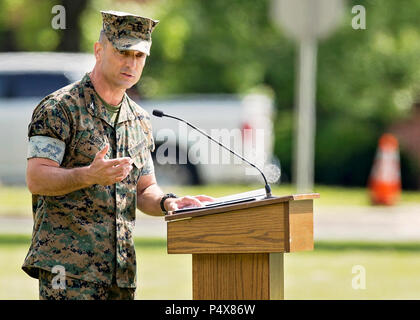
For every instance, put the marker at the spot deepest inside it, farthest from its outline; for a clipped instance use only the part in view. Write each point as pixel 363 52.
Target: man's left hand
pixel 173 204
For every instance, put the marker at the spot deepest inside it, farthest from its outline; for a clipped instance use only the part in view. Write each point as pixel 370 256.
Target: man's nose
pixel 131 61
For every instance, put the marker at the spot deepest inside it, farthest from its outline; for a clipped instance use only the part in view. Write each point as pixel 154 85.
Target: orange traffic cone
pixel 385 178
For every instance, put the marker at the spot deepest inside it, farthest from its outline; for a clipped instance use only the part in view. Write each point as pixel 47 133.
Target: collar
pixel 96 108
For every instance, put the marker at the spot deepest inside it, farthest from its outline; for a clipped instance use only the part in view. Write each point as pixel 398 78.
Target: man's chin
pixel 126 84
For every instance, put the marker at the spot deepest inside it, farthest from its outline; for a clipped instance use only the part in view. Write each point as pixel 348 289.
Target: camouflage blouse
pixel 89 231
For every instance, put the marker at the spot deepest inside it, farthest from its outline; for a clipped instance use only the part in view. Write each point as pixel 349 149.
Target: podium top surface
pixel 238 206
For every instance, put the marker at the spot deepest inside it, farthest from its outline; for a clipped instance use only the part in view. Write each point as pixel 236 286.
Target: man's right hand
pixel 108 171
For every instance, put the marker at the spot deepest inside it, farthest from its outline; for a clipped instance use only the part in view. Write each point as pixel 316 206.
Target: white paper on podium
pixel 231 199
pixel 258 194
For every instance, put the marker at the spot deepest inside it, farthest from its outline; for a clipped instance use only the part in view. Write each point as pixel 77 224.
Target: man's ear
pixel 98 50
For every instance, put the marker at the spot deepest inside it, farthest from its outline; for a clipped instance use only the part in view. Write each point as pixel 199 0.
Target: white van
pixel 181 157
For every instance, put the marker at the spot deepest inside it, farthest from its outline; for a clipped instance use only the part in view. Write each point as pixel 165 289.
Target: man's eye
pixel 123 52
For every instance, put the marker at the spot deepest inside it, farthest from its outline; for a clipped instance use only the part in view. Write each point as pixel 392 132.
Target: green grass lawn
pixel 16 201
pixel 392 271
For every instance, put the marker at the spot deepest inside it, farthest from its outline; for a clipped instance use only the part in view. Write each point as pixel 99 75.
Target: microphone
pixel 160 114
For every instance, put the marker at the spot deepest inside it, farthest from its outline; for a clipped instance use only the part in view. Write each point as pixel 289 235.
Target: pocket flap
pixel 139 154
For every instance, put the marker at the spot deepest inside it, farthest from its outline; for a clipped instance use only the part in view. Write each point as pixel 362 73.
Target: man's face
pixel 121 69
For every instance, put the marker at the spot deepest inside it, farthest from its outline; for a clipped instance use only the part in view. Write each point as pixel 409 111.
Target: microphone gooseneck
pixel 160 114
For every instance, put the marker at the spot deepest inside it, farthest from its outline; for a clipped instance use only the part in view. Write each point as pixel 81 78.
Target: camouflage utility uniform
pixel 88 231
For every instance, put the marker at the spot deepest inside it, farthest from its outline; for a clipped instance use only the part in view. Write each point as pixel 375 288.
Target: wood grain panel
pixel 301 226
pixel 261 229
pixel 231 276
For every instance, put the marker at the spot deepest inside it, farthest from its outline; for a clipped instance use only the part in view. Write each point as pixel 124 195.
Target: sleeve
pixel 48 132
pixel 148 167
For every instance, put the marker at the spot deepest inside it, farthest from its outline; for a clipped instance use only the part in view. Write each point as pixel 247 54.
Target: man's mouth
pixel 127 75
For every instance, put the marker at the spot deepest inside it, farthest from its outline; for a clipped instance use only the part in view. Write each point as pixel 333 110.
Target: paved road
pixel 400 223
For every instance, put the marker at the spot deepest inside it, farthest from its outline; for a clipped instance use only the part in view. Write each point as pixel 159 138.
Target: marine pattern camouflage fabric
pixel 46 147
pixel 89 231
pixel 76 289
pixel 128 32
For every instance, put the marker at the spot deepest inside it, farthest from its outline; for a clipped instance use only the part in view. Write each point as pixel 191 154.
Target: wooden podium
pixel 237 250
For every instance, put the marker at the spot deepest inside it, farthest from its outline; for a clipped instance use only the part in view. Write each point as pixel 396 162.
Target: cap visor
pixel 133 44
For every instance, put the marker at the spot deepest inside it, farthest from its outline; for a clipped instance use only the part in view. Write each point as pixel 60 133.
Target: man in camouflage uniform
pixel 89 168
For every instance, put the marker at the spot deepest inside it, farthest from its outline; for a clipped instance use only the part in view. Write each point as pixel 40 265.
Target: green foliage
pixel 213 46
pixel 26 25
pixel 366 78
pixel 344 150
pixel 372 74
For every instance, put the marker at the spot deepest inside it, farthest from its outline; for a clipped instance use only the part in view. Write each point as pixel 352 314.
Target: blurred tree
pixel 70 39
pixel 366 78
pixel 218 46
pixel 26 26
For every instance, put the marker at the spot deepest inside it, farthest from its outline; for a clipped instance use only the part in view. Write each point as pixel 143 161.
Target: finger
pixel 190 201
pixel 118 162
pixel 120 178
pixel 101 154
pixel 119 171
pixel 205 198
pixel 124 160
pixel 114 174
pixel 122 171
pixel 128 169
pixel 172 206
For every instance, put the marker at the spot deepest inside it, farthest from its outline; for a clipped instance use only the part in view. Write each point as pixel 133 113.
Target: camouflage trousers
pixel 75 289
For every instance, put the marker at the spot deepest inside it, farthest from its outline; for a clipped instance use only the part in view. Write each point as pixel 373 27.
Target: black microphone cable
pixel 160 114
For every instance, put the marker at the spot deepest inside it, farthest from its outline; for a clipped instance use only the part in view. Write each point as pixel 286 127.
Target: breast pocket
pixel 88 146
pixel 139 154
